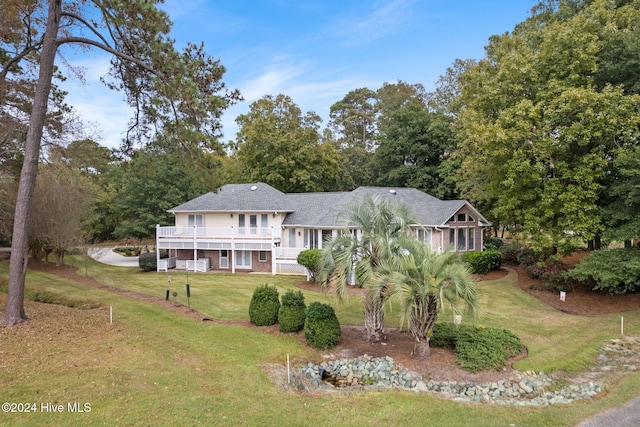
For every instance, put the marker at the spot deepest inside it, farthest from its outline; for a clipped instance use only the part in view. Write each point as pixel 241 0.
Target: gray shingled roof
pixel 257 197
pixel 319 209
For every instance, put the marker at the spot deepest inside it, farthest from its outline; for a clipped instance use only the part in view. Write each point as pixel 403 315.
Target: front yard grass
pixel 154 367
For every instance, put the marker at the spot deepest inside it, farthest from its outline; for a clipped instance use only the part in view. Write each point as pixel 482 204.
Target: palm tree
pixel 371 230
pixel 422 281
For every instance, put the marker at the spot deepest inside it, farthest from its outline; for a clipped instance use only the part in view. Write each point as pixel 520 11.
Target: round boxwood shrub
pixel 483 262
pixel 310 259
pixel 292 311
pixel 493 243
pixel 264 306
pixel 321 327
pixel 148 262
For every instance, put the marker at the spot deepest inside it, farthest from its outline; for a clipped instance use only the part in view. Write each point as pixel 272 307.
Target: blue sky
pixel 313 51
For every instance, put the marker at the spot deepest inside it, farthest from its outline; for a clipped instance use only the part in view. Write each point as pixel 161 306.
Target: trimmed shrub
pixel 477 347
pixel 128 250
pixel 309 259
pixel 614 271
pixel 292 312
pixel 493 243
pixel 264 306
pixel 148 262
pixel 510 253
pixel 321 326
pixel 444 335
pixel 483 262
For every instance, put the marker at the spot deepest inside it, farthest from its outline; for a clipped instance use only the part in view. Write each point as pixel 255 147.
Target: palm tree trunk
pixel 374 320
pixel 422 348
pixel 422 319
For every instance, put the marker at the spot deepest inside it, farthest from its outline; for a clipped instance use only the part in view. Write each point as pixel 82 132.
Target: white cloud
pixel 386 17
pixel 273 80
pixel 309 89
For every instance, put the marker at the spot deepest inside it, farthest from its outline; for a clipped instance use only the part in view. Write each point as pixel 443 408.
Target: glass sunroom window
pixel 462 239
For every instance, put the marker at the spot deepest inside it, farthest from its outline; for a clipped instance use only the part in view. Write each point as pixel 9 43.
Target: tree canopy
pixel 280 146
pixel 536 135
pixel 180 93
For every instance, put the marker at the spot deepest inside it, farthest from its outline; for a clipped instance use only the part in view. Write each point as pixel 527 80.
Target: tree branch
pixel 18 58
pixel 109 49
pixel 88 25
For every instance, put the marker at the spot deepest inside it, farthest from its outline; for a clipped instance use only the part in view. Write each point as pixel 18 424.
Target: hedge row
pixel 319 321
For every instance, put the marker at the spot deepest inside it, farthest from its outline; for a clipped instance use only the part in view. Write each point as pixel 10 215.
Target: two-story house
pixel 256 228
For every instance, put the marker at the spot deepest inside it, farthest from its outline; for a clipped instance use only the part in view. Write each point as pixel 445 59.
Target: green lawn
pixel 154 367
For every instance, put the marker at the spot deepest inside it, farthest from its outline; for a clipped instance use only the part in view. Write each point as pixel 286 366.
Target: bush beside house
pixel 264 306
pixel 148 262
pixel 483 262
pixel 321 327
pixel 292 312
pixel 309 258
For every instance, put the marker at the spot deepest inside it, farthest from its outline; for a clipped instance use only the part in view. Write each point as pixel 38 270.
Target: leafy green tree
pixel 179 92
pixel 146 187
pixel 84 155
pixel 422 281
pixel 391 97
pixel 371 230
pixel 277 145
pixel 353 122
pixel 411 150
pixel 536 137
pixel 622 215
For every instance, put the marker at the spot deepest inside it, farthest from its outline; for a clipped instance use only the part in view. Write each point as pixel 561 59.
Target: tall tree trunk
pixel 14 312
pixel 374 320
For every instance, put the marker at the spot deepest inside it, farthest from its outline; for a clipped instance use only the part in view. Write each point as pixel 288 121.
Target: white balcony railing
pixel 287 253
pixel 222 233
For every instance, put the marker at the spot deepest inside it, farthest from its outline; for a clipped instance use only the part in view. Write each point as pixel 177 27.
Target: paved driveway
pixel 106 255
pixel 627 415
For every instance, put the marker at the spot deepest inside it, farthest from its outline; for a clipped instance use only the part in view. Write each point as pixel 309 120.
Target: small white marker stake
pixel 288 371
pixel 110 314
pixel 563 295
pixel 621 325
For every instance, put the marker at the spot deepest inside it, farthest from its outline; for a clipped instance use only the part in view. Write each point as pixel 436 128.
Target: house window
pixel 262 256
pixel 452 238
pixel 243 259
pixel 470 218
pixel 310 238
pixel 424 235
pixel 195 220
pixel 292 237
pixel 327 235
pixel 462 239
pixel 253 223
pixel 264 223
pixel 452 219
pixel 462 217
pixel 472 235
pixel 224 258
pixel 241 224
